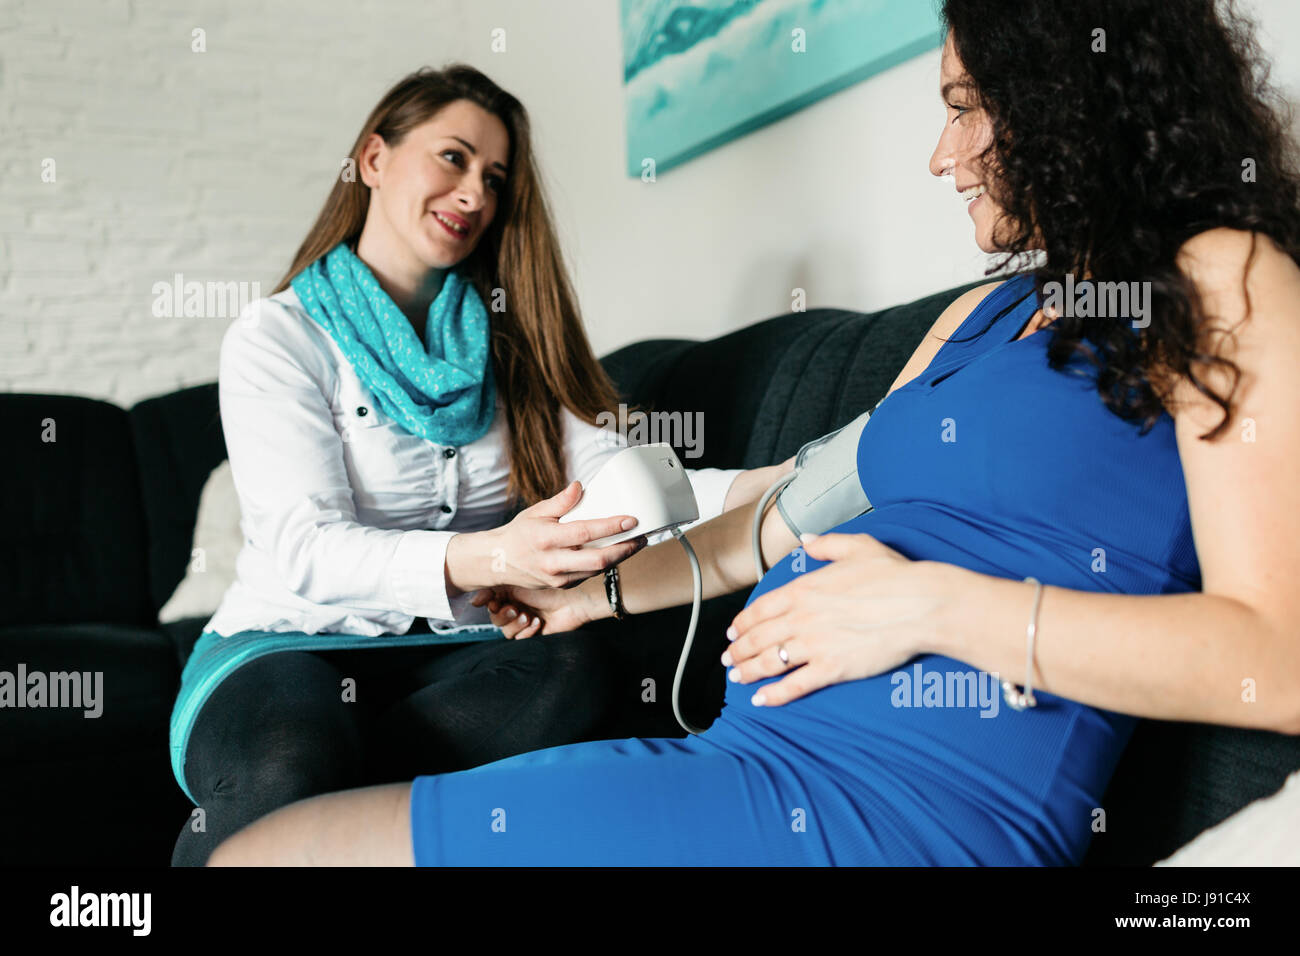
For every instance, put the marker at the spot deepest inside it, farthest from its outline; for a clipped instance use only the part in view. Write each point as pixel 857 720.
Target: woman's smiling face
pixel 967 132
pixel 438 189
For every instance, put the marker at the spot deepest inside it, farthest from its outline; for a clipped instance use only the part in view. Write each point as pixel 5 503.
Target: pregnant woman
pixel 383 427
pixel 1100 512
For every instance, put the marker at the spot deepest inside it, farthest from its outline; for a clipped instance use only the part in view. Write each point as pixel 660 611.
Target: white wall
pixel 213 165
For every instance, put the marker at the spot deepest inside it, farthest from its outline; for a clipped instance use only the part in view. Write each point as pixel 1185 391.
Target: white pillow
pixel 217 540
pixel 1263 833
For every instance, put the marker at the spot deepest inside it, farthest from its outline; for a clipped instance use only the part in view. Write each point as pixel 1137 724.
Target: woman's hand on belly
pixel 868 611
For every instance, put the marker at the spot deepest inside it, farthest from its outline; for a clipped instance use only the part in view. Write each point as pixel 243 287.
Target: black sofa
pixel 100 524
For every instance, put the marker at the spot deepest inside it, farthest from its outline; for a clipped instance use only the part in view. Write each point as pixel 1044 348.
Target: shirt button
pixel 449 453
pixel 362 410
pixel 446 509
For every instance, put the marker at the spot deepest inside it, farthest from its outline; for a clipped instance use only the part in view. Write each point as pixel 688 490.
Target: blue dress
pixel 989 460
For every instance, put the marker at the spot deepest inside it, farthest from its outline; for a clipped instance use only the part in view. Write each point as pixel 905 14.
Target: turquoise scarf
pixel 440 389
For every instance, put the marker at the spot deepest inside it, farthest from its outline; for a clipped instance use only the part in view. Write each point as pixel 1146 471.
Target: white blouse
pixel 345 515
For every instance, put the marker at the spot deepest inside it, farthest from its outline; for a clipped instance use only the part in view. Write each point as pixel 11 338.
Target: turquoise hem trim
pixel 215 657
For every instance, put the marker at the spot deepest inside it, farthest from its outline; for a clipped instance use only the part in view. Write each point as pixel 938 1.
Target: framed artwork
pixel 700 73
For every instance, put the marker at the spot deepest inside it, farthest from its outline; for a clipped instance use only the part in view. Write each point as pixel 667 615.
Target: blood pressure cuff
pixel 826 491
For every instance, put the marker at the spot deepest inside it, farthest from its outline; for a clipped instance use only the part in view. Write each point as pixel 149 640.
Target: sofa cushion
pixel 1265 833
pixel 1178 779
pixel 178 442
pixel 86 790
pixel 134 677
pixel 74 542
pixel 767 389
pixel 218 539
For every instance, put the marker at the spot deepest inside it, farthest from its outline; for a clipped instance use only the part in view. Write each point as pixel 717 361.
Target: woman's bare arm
pixel 1230 654
pixel 660 576
pixel 750 485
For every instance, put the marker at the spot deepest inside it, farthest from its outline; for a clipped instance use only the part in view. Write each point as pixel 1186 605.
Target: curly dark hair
pixel 1110 161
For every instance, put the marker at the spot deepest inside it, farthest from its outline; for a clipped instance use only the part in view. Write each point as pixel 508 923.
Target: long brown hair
pixel 542 359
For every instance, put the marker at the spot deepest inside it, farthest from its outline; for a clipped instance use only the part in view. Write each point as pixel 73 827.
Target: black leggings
pixel 279 728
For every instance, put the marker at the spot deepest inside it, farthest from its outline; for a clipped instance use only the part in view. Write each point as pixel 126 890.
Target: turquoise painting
pixel 700 74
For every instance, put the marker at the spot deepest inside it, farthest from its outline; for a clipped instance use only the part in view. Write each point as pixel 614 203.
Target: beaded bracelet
pixel 613 594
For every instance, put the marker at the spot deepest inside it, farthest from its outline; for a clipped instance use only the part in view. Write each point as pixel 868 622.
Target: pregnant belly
pixel 934 725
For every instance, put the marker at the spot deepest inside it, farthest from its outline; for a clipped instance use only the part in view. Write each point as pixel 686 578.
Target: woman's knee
pixel 280 727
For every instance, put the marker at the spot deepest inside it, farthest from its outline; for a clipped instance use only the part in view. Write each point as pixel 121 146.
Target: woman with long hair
pixel 1082 517
pixel 405 417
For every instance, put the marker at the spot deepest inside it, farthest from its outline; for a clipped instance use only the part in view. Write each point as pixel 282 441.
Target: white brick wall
pixel 214 165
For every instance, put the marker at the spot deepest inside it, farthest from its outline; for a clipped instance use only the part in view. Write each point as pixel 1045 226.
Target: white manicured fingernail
pixel 758 700
pixel 726 658
pixel 733 675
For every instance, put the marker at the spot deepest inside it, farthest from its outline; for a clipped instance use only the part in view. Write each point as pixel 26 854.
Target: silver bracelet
pixel 1015 699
